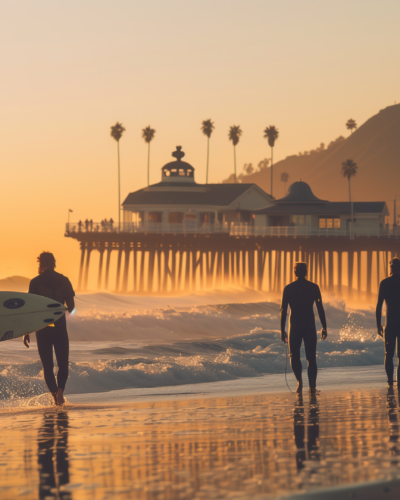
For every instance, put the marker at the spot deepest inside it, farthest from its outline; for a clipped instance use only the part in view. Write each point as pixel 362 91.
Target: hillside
pixel 14 284
pixel 375 147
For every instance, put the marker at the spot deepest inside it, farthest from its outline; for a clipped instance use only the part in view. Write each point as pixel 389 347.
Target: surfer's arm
pixel 284 307
pixel 70 304
pixel 27 340
pixel 321 313
pixel 379 311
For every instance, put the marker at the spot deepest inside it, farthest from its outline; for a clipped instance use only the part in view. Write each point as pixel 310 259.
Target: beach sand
pixel 195 442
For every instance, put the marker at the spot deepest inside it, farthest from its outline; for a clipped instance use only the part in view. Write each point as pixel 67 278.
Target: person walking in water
pixel 55 286
pixel 300 297
pixel 389 292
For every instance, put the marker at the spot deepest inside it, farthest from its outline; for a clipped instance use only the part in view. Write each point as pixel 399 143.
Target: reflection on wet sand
pixel 306 432
pixel 53 463
pixel 235 447
pixel 393 416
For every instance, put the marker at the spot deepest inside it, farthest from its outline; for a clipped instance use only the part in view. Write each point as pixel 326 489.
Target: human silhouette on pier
pixel 389 292
pixel 111 222
pixel 300 297
pixel 80 224
pixel 86 225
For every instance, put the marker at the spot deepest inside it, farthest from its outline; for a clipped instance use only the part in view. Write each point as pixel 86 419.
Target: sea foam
pixel 120 342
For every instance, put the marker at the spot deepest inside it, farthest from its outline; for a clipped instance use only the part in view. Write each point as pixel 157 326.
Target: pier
pixel 181 236
pixel 159 258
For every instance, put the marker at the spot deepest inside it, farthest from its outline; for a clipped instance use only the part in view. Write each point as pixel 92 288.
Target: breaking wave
pixel 123 346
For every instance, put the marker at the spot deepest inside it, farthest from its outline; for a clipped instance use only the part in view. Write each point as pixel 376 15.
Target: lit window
pixel 298 220
pixel 329 223
pixel 322 223
pixel 336 223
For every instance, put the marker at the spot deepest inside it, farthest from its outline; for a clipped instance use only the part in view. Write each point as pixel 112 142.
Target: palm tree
pixel 284 179
pixel 116 132
pixel 349 170
pixel 271 133
pixel 351 125
pixel 148 136
pixel 234 135
pixel 207 128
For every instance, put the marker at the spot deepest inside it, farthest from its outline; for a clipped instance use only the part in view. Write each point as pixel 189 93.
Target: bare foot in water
pixel 313 390
pixel 60 397
pixel 299 389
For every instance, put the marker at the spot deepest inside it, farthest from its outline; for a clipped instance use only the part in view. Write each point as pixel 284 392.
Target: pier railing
pixel 234 229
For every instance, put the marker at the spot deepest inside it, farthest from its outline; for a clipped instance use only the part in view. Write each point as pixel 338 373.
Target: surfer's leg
pixel 61 349
pixel 295 361
pixel 310 345
pixel 45 349
pixel 398 359
pixel 390 345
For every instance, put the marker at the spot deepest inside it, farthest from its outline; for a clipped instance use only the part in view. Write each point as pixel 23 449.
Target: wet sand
pixel 267 445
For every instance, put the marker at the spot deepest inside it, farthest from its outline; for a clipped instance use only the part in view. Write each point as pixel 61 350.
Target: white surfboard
pixel 22 313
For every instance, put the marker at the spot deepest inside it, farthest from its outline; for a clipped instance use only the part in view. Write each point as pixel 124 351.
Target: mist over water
pixel 120 342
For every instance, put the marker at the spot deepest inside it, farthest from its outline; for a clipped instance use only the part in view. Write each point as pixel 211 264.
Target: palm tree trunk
pixel 119 191
pixel 351 206
pixel 148 164
pixel 208 151
pixel 234 161
pixel 272 169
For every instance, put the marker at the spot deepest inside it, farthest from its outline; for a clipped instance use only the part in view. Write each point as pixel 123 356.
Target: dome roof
pixel 300 192
pixel 177 171
pixel 178 154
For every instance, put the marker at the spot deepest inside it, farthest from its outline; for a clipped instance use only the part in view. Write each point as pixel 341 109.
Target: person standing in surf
pixel 389 292
pixel 55 286
pixel 300 297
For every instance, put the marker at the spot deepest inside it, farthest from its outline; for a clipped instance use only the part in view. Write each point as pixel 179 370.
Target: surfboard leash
pixel 286 352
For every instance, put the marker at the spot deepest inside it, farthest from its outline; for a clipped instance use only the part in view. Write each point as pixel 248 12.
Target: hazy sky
pixel 69 70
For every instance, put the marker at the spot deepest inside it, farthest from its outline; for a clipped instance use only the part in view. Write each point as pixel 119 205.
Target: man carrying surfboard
pixel 55 286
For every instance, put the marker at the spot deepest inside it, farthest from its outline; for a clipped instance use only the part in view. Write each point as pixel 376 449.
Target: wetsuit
pixel 389 292
pixel 54 286
pixel 300 296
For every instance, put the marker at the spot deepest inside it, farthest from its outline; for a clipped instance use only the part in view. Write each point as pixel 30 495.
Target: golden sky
pixel 70 70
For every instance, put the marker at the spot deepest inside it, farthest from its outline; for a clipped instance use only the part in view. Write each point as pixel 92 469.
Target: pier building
pixel 178 235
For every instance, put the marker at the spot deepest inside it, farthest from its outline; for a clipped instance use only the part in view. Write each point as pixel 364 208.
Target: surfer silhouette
pixel 300 297
pixel 55 286
pixel 389 292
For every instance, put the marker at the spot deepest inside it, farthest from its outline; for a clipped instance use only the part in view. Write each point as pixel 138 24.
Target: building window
pixel 329 223
pixel 155 216
pixel 175 217
pixel 298 220
pixel 190 217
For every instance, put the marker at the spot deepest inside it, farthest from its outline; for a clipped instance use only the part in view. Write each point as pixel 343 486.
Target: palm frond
pixel 117 130
pixel 234 134
pixel 271 133
pixel 207 127
pixel 349 169
pixel 284 176
pixel 148 134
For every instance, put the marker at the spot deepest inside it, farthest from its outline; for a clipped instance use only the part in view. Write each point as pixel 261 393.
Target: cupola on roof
pixel 300 192
pixel 178 171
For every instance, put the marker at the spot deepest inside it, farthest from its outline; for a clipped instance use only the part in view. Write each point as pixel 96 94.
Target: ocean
pixel 124 342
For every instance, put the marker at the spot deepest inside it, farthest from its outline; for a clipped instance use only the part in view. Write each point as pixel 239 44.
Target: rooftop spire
pixel 178 154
